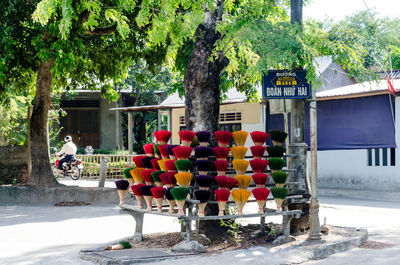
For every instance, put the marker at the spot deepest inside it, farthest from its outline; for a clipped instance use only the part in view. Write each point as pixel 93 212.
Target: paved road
pixel 54 235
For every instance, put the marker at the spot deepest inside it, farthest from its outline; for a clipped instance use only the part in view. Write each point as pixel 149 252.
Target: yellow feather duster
pixel 183 179
pixel 240 196
pixel 136 175
pixel 240 137
pixel 243 181
pixel 161 163
pixel 239 152
pixel 240 166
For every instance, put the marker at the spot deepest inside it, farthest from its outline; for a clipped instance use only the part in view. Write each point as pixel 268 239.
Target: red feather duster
pixel 225 182
pixel 138 161
pixel 168 178
pixel 221 166
pixel 259 138
pixel 146 175
pixel 158 192
pixel 258 165
pixel 163 151
pixel 186 136
pixel 222 195
pixel 182 152
pixel 223 137
pixel 231 182
pixel 170 165
pixel 148 149
pixel 136 189
pixel 260 179
pixel 155 164
pixel 261 195
pixel 162 136
pixel 221 152
pixel 258 151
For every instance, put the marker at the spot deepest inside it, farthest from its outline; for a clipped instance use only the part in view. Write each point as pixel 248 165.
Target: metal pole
pixel 158 119
pixel 315 230
pixel 391 80
pixel 130 144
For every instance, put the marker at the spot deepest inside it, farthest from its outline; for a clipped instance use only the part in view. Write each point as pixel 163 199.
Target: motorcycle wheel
pixel 55 171
pixel 75 173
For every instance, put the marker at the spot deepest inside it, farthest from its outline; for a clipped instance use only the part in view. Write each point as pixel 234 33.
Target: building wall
pixel 110 127
pixel 252 118
pixel 348 169
pixel 13 164
pixel 335 76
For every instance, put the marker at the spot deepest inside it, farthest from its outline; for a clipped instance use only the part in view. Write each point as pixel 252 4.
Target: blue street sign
pixel 285 84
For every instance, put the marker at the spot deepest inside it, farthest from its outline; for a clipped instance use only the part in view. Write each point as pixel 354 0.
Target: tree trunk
pixel 41 173
pixel 202 94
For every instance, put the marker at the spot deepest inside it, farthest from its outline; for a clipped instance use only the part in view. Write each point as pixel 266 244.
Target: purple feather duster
pixel 122 184
pixel 203 151
pixel 203 136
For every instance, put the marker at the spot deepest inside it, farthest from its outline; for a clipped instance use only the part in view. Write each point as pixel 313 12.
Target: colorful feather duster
pixel 221 166
pixel 261 195
pixel 122 188
pixel 148 196
pixel 238 152
pixel 183 165
pixel 186 137
pixel 138 161
pixel 154 163
pixel 221 153
pixel 128 176
pixel 183 179
pixel 223 138
pixel 278 137
pixel 258 151
pixel 170 152
pixel 168 179
pixel 204 181
pixel 222 182
pixel 161 163
pixel 148 149
pixel 259 138
pixel 203 152
pixel 136 175
pixel 138 194
pixel 156 151
pixel 163 151
pixel 203 196
pixel 260 179
pixel 146 176
pixel 162 136
pixel 222 197
pixel 182 152
pixel 240 196
pixel 170 166
pixel 170 200
pixel 158 195
pixel 203 166
pixel 243 181
pixel 203 137
pixel 147 162
pixel 279 196
pixel 240 137
pixel 276 164
pixel 279 178
pixel 258 165
pixel 240 166
pixel 276 150
pixel 180 195
pixel 156 177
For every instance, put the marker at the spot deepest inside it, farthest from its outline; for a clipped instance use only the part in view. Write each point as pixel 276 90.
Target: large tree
pixel 72 51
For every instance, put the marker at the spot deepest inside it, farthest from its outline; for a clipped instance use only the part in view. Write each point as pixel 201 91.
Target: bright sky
pixel 338 9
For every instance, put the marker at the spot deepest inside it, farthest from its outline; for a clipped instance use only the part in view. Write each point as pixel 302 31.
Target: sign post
pixel 283 84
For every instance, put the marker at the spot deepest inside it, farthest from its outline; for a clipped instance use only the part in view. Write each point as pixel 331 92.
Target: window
pixel 224 117
pixel 381 157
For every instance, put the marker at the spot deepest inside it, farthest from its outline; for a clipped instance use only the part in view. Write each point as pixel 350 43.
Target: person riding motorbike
pixel 69 149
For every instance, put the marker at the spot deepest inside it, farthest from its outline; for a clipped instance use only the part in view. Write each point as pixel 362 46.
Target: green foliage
pixel 279 192
pixel 231 225
pixel 279 177
pixel 275 163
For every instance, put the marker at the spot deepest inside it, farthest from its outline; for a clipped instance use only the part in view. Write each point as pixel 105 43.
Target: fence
pixel 115 165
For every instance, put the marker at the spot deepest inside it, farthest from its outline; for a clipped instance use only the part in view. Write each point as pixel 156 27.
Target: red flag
pixel 390 86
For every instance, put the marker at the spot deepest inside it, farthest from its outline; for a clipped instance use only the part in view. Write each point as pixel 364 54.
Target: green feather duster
pixel 279 193
pixel 183 165
pixel 126 172
pixel 156 175
pixel 276 163
pixel 279 177
pixel 278 136
pixel 156 151
pixel 125 244
pixel 276 151
pixel 179 193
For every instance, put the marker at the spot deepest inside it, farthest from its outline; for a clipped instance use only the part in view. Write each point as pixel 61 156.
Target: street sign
pixel 285 84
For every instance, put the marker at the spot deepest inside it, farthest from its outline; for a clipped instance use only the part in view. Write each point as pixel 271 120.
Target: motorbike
pixel 72 168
